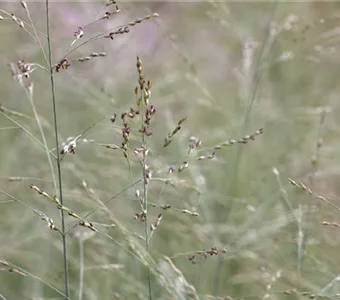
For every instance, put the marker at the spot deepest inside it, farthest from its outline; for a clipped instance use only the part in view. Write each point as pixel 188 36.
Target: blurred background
pixel 231 68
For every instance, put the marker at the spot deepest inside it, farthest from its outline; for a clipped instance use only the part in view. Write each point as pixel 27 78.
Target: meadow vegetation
pixel 164 150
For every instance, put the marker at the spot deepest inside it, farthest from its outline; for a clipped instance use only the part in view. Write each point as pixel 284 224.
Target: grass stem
pixel 67 290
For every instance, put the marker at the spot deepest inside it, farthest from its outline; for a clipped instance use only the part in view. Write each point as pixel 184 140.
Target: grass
pixel 58 158
pixel 208 206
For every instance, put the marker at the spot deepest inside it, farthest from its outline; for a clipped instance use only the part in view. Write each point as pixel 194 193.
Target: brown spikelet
pixel 243 140
pixel 113 118
pixel 16 20
pixel 307 294
pixel 79 33
pixel 126 28
pixel 23 4
pixel 87 225
pixel 140 216
pixel 170 136
pixel 183 166
pixel 111 2
pixel 48 220
pixel 154 225
pixel 306 189
pixel 214 251
pixel 16 271
pixel 194 142
pixel 119 31
pixel 62 65
pixel 140 74
pixel 140 20
pixel 330 223
pixel 39 191
pixel 188 212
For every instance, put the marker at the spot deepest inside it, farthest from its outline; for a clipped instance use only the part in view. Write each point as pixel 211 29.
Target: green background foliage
pixel 230 68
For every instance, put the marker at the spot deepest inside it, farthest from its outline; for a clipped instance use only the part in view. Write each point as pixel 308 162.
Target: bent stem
pixel 67 292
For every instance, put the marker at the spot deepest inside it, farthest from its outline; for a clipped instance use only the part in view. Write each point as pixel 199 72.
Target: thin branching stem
pixel 27 132
pixel 45 283
pixel 145 189
pixel 106 202
pixel 67 291
pixel 36 33
pixel 37 118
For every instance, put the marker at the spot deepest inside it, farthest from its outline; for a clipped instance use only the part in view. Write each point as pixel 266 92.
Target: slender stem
pixel 26 131
pixel 145 189
pixel 38 279
pixel 30 96
pixel 67 290
pixel 3 297
pixel 105 203
pixel 36 34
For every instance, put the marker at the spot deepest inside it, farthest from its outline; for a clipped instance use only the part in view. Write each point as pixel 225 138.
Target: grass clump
pixel 151 161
